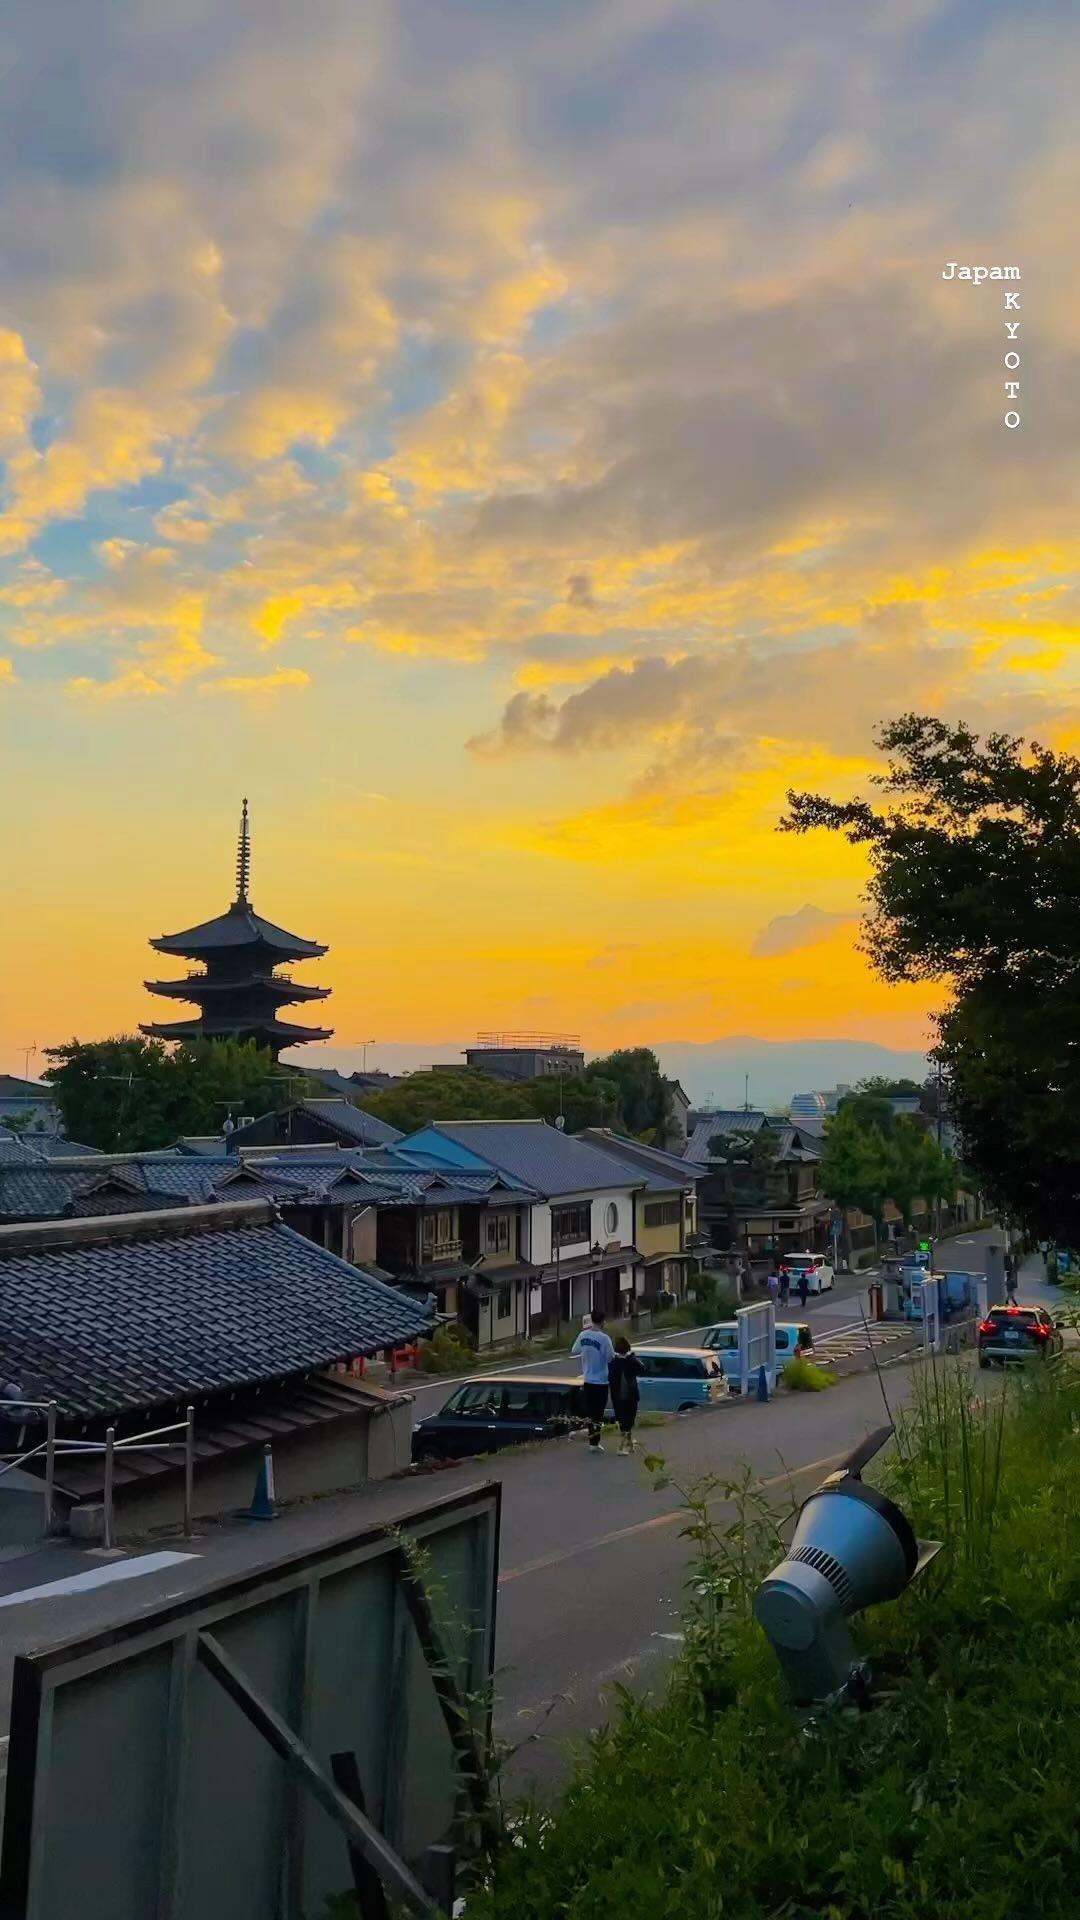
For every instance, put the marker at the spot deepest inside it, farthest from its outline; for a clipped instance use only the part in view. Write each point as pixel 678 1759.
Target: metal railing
pixel 110 1447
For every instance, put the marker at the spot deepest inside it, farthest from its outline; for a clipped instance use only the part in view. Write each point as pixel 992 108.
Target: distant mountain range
pixel 712 1071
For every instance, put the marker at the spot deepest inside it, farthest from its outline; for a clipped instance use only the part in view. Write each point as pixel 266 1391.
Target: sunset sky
pixel 512 443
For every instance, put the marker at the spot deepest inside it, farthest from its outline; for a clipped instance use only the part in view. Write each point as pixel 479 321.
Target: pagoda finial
pixel 243 859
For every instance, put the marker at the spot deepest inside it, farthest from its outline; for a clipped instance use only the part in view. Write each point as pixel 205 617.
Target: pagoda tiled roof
pixel 206 1027
pixel 241 926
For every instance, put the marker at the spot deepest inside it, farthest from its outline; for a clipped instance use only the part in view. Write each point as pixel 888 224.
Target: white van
pixel 819 1275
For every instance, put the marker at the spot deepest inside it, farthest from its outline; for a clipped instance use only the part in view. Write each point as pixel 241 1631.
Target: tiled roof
pixel 239 927
pixel 788 1140
pixel 731 1120
pixel 547 1160
pixel 352 1122
pixel 107 1317
pixel 32 1193
pixel 52 1146
pixel 662 1170
pixel 30 1190
pixel 15 1153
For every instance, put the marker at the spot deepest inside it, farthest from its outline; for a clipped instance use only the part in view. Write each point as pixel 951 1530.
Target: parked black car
pixel 500 1411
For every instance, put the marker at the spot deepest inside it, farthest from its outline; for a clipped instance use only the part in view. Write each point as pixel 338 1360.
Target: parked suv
pixel 677 1378
pixel 485 1415
pixel 1017 1333
pixel 819 1274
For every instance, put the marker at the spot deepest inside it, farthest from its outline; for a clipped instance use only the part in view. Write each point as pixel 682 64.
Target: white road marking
pixel 97 1577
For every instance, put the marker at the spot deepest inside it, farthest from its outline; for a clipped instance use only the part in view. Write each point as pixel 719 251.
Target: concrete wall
pixel 369 1445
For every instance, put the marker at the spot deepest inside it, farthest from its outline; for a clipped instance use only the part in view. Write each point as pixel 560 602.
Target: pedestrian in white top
pixel 596 1353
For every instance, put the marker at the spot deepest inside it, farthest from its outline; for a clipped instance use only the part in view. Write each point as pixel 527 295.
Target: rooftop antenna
pixel 243 859
pixel 746 1077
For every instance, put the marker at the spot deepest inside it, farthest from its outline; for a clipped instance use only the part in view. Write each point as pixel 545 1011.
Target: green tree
pixel 974 859
pixel 468 1095
pixel 880 1083
pixel 131 1093
pixel 644 1094
pixel 745 1157
pixel 583 1099
pixel 855 1169
pixel 869 1109
pixel 908 1154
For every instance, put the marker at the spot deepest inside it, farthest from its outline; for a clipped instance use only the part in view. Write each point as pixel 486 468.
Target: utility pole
pixel 937 1103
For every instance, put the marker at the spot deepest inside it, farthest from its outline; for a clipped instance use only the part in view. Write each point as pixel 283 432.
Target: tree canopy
pixel 745 1156
pixel 130 1093
pixel 975 881
pixel 623 1090
pixel 867 1160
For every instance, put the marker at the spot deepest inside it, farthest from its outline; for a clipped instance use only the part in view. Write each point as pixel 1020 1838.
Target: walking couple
pixel 608 1367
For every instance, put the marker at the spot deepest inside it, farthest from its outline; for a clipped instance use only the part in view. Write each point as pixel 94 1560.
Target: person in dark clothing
pixel 804 1287
pixel 623 1375
pixel 785 1286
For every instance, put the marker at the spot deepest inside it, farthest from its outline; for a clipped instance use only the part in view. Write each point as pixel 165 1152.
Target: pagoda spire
pixel 243 859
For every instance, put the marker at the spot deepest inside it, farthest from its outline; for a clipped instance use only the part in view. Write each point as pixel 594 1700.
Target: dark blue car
pixel 500 1411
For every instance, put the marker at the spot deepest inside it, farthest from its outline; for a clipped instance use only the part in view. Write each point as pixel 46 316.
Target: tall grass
pixel 955 1798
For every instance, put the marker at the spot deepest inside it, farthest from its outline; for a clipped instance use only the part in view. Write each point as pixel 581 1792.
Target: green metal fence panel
pixel 139 1789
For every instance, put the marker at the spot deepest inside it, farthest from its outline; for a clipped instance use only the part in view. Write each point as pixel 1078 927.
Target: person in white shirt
pixel 596 1353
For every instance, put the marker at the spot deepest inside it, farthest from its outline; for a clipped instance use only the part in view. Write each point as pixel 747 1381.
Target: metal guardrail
pixel 110 1447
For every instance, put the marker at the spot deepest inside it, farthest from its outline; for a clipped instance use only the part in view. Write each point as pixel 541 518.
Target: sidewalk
pixel 1032 1287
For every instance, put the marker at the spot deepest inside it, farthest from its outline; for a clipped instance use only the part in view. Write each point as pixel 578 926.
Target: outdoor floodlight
pixel 851 1548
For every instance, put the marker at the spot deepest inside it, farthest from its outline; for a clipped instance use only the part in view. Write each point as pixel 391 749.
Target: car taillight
pixel 1043 1332
pixel 986 1326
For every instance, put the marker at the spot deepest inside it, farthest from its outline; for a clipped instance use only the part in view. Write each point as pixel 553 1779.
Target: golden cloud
pixel 258 683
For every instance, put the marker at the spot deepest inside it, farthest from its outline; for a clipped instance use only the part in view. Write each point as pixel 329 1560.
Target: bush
pixel 805 1376
pixel 713 1294
pixel 954 1798
pixel 450 1347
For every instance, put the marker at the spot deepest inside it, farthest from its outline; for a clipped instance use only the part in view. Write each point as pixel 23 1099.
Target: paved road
pixel 826 1312
pixel 592 1562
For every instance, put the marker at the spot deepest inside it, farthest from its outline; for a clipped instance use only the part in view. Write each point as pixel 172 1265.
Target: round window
pixel 611 1217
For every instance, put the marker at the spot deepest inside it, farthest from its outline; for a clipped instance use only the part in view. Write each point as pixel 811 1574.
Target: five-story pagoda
pixel 238 992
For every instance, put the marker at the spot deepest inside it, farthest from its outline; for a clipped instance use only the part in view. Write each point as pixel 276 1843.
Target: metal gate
pixel 250 1750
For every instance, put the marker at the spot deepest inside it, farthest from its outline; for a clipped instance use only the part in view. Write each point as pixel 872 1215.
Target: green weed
pixel 805 1376
pixel 955 1798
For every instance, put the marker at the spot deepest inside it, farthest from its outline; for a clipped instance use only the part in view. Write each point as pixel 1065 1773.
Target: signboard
pixel 256 1749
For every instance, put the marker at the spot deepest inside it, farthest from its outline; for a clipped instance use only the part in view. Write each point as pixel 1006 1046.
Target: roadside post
pixel 931 1313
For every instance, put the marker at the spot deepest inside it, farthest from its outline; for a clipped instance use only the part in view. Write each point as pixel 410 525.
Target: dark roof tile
pixel 174 1310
